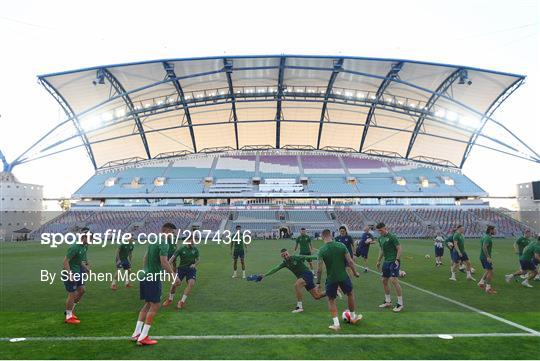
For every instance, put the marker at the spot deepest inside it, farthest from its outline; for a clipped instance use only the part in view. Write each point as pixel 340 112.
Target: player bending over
pixel 74 265
pixel 459 255
pixel 189 259
pixel 336 258
pixel 486 244
pixel 390 249
pixel 304 276
pixel 154 262
pixel 124 255
pixel 521 243
pixel 362 250
pixel 528 261
pixel 238 250
pixel 306 248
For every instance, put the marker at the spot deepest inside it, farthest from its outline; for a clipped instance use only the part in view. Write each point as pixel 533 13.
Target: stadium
pixel 274 144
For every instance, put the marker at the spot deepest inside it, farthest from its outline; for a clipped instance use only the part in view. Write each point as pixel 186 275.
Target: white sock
pixel 171 296
pixel 299 304
pixel 336 321
pixel 184 297
pixel 353 315
pixel 469 274
pixel 144 332
pixel 74 304
pixel 453 275
pixel 488 287
pixel 138 328
pixel 387 298
pixel 400 300
pixel 481 282
pixel 234 273
pixel 69 314
pixel 244 273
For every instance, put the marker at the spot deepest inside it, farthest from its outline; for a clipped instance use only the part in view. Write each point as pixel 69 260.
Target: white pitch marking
pixel 471 308
pixel 278 336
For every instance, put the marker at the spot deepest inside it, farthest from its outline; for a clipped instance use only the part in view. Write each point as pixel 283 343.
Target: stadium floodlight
pixel 360 95
pixel 106 117
pixel 451 116
pixel 472 122
pixel 337 92
pixel 120 113
pixel 91 123
pixel 349 94
pixel 148 105
pixel 440 113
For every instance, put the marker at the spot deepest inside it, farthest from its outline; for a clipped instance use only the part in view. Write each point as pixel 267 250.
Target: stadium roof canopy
pixel 426 112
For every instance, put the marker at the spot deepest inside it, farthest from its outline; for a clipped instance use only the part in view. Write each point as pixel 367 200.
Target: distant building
pixel 20 207
pixel 528 198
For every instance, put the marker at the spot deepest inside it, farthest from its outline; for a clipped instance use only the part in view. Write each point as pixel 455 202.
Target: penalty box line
pixel 274 336
pixel 461 304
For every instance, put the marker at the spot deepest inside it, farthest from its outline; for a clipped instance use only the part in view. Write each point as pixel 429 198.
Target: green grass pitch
pixel 221 306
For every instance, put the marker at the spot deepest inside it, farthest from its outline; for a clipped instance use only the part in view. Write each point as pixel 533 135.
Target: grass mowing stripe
pixel 284 336
pixel 470 308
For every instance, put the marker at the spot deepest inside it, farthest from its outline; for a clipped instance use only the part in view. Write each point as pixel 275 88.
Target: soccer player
pixel 521 243
pixel 390 250
pixel 238 250
pixel 362 249
pixel 168 231
pixel 306 248
pixel 124 255
pixel 529 259
pixel 187 268
pixel 439 250
pixel 458 254
pixel 335 257
pixel 486 244
pixel 154 262
pixel 304 276
pixel 74 266
pixel 348 242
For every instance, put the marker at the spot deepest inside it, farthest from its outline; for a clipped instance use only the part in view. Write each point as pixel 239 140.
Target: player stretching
pixel 390 249
pixel 238 250
pixel 154 262
pixel 73 264
pixel 189 259
pixel 336 258
pixel 124 255
pixel 304 276
pixel 458 254
pixel 362 250
pixel 528 261
pixel 306 248
pixel 439 250
pixel 521 243
pixel 486 243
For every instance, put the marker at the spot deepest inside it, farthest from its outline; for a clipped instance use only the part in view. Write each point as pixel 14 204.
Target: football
pixel 346 316
pixel 427 256
pixel 402 273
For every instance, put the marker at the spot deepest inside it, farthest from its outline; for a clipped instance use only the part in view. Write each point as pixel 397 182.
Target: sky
pixel 40 37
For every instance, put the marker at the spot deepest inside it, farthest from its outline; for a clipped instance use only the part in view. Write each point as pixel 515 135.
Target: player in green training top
pixel 336 257
pixel 124 255
pixel 459 255
pixel 168 232
pixel 306 248
pixel 74 265
pixel 188 255
pixel 390 250
pixel 522 242
pixel 529 260
pixel 238 250
pixel 155 261
pixel 304 276
pixel 486 244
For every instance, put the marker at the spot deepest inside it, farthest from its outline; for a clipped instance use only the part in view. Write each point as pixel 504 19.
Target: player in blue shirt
pixel 348 242
pixel 362 249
